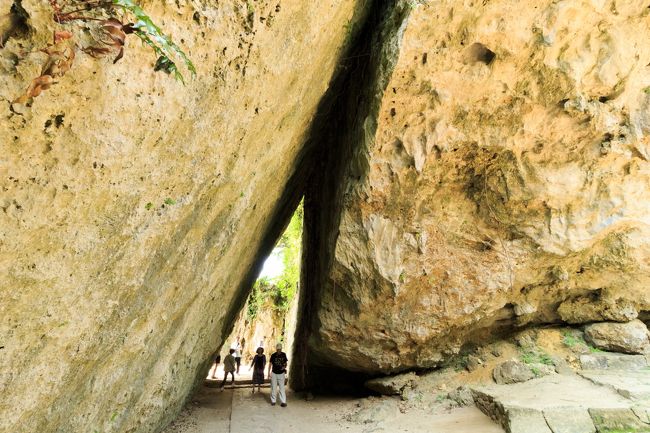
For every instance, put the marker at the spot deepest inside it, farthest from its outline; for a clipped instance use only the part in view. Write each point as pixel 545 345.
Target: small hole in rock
pixel 480 53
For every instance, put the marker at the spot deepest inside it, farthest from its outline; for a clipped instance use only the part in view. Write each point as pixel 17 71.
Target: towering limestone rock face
pixel 498 176
pixel 133 209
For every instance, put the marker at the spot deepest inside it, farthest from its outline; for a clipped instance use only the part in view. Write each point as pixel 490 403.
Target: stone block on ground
pixel 473 362
pixel 617 420
pixel 643 413
pixel 512 372
pixel 462 396
pixel 391 385
pixel 518 407
pixel 631 337
pixel 526 420
pixel 612 361
pixel 569 420
pixel 633 385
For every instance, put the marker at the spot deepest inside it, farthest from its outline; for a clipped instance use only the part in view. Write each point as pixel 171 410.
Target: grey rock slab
pixel 643 413
pixel 512 372
pixel 612 361
pixel 633 385
pixel 617 420
pixel 555 391
pixel 630 337
pixel 462 396
pixel 569 420
pixel 525 420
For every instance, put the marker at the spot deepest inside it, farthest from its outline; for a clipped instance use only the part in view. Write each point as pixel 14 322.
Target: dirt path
pixel 238 411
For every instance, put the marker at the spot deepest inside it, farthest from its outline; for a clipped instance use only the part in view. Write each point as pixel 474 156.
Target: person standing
pixel 277 373
pixel 228 367
pixel 217 360
pixel 258 364
pixel 237 348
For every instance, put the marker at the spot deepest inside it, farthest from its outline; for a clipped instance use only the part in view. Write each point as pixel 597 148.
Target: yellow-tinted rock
pixel 508 171
pixel 133 208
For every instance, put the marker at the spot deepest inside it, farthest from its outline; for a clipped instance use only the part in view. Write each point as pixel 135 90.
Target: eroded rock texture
pixel 502 169
pixel 133 209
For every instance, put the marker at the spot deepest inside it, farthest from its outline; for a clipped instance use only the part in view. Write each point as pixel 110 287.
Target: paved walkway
pixel 610 399
pixel 236 410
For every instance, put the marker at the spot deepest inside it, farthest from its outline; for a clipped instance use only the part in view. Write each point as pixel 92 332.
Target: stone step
pixel 633 385
pixel 612 361
pixel 560 404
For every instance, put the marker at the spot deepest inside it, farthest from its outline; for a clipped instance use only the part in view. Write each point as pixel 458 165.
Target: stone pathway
pixel 236 410
pixel 603 400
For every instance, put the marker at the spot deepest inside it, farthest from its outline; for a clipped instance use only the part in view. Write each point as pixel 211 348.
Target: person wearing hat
pixel 277 373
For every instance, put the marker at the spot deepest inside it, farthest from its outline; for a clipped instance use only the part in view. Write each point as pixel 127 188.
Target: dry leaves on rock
pixel 60 56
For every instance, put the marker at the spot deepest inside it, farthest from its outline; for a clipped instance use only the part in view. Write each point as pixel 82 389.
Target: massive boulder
pixel 498 166
pixel 134 209
pixel 630 337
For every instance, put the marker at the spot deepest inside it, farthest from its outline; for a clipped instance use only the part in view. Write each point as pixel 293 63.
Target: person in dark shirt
pixel 258 364
pixel 277 373
pixel 217 360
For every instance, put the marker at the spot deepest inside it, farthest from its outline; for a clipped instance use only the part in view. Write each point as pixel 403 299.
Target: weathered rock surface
pixel 133 210
pixel 587 309
pixel 633 385
pixel 512 372
pixel 618 420
pixel 554 404
pixel 462 396
pixel 612 361
pixel 631 337
pixel 392 385
pixel 501 169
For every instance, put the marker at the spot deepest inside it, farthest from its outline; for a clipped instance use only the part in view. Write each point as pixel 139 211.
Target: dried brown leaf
pixel 59 60
pixel 61 35
pixel 37 85
pixel 96 52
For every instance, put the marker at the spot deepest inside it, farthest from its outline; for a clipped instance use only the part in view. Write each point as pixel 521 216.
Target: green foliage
pixel 647 90
pixel 250 7
pixel 282 290
pixel 570 339
pixel 148 206
pixel 290 245
pixel 460 363
pixel 536 357
pixel 170 201
pixel 150 34
pixel 593 349
pixel 257 297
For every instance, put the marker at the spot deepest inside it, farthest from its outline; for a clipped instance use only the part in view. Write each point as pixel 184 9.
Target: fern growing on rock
pixel 110 21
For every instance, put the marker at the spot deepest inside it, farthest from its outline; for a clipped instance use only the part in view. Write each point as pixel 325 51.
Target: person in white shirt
pixel 237 348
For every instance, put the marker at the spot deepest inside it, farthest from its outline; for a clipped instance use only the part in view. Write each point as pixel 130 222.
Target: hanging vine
pixel 110 23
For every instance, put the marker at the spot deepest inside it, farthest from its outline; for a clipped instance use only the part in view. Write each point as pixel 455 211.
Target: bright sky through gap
pixel 273 265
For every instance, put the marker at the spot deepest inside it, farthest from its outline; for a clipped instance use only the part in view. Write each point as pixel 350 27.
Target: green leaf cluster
pixel 150 34
pixel 536 357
